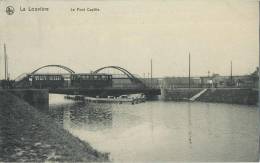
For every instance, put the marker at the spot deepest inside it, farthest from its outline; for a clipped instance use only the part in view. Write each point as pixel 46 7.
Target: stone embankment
pixel 27 134
pixel 179 94
pixel 217 95
pixel 232 96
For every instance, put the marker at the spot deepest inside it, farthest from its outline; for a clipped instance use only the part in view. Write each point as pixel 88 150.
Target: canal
pixel 163 131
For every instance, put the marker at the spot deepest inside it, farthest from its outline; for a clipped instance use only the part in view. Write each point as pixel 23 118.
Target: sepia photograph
pixel 129 81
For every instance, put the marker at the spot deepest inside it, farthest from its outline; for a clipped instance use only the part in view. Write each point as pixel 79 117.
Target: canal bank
pixel 242 96
pixel 27 134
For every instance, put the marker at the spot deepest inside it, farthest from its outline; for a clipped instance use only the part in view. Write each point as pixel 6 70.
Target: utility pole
pixel 151 72
pixel 5 60
pixel 231 75
pixel 0 67
pixel 189 69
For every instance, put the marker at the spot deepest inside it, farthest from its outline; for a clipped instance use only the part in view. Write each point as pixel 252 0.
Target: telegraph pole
pixel 5 60
pixel 189 69
pixel 0 67
pixel 231 75
pixel 151 72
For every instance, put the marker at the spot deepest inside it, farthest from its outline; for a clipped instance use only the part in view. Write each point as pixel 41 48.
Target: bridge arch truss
pixel 124 71
pixel 59 66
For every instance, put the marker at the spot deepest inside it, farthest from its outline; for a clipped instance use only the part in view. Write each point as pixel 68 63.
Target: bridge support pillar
pixel 39 98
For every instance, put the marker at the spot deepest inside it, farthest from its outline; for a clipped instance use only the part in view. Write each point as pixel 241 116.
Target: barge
pixel 133 99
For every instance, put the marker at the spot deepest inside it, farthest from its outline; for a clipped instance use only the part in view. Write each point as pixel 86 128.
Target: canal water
pixel 163 131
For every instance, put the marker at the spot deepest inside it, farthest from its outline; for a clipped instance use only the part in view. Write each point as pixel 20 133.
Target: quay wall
pixel 27 134
pixel 179 94
pixel 216 95
pixel 232 96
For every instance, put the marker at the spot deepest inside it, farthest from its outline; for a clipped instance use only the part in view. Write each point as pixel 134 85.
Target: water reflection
pixel 190 127
pixel 164 131
pixel 91 116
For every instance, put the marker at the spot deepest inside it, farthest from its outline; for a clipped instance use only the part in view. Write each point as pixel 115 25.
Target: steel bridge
pixel 132 86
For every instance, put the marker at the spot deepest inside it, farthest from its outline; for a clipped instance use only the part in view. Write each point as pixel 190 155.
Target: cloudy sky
pixel 130 33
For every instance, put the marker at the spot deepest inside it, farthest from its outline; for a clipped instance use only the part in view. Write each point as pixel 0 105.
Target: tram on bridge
pixel 96 79
pixel 90 80
pixel 46 80
pixel 92 84
pixel 53 81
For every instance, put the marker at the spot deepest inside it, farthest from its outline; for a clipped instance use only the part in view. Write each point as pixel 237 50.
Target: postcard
pixel 129 81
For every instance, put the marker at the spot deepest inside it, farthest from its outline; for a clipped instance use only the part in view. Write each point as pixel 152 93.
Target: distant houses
pixel 213 81
pixel 243 81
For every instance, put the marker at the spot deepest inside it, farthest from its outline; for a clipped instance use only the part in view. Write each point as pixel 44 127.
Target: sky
pixel 131 33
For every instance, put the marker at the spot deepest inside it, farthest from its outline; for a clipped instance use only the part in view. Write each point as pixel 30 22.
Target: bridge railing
pixel 21 77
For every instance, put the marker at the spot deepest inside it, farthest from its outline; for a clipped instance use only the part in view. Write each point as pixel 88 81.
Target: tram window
pixel 104 77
